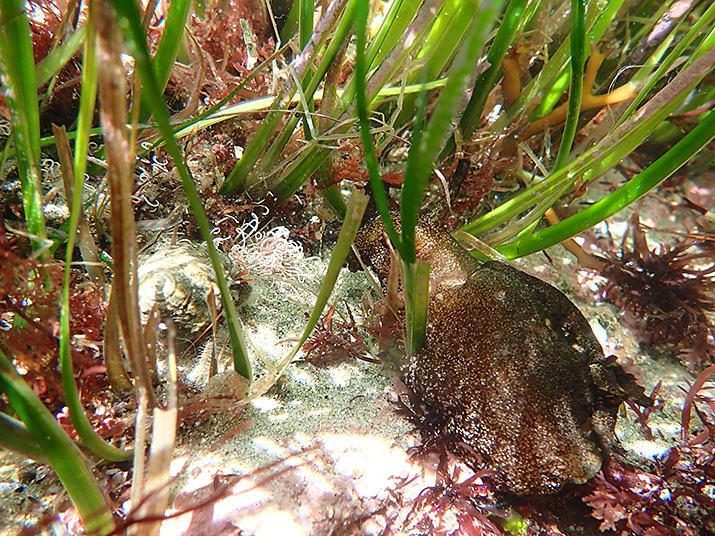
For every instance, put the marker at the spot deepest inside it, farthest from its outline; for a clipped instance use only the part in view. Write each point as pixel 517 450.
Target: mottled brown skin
pixel 511 365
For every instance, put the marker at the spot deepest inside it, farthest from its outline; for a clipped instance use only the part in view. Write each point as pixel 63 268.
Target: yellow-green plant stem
pixel 89 437
pixel 353 217
pixel 514 16
pixel 427 143
pixel 577 36
pixel 376 184
pixel 168 48
pixel 634 189
pixel 598 19
pixel 64 456
pixel 241 177
pixel 15 436
pixel 130 22
pixel 305 21
pixel 17 69
pixel 679 48
pixel 397 23
pixel 618 144
pixel 51 64
pixel 397 51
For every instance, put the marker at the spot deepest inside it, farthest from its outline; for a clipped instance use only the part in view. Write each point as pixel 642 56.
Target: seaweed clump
pixel 667 293
pixel 335 339
pixel 456 503
pixel 29 327
pixel 673 498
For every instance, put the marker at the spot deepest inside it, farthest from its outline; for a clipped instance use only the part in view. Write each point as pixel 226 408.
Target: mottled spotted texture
pixel 511 365
pixel 178 279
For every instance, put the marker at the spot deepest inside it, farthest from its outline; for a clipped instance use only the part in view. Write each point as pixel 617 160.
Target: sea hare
pixel 511 365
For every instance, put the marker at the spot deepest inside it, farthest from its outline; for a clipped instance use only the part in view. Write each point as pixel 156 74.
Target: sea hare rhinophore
pixel 511 365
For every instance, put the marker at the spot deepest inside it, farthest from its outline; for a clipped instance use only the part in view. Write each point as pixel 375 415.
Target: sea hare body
pixel 511 365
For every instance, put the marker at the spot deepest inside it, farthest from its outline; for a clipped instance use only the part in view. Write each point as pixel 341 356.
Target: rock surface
pixel 178 279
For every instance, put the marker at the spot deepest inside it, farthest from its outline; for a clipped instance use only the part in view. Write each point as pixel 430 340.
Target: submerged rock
pixel 511 365
pixel 178 279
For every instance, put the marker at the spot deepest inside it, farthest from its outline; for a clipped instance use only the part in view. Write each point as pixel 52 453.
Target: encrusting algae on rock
pixel 511 365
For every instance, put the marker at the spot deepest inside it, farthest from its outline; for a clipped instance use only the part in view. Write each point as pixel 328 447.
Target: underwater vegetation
pixel 668 292
pixel 336 338
pixel 29 292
